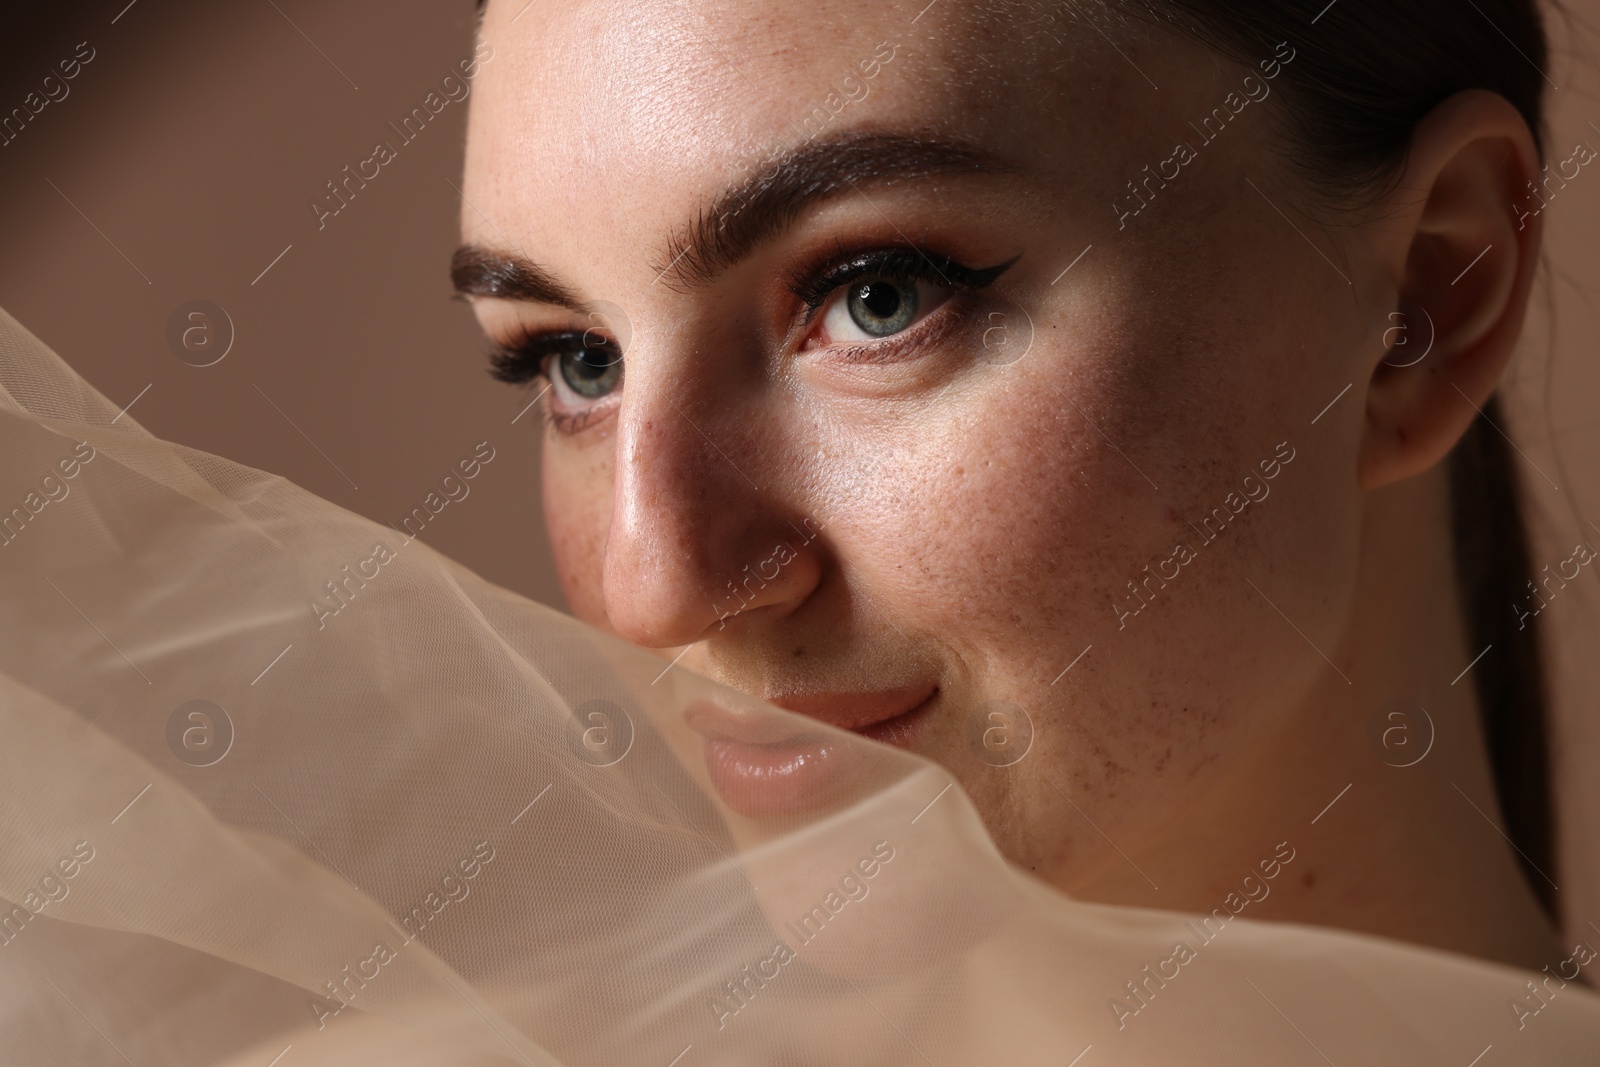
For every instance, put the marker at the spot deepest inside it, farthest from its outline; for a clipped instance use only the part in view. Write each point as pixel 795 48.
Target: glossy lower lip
pixel 761 765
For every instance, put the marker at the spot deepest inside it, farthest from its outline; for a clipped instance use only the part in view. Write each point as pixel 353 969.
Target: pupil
pixel 592 369
pixel 880 298
pixel 593 362
pixel 882 307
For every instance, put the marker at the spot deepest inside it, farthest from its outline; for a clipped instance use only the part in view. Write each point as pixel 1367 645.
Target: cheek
pixel 1021 513
pixel 576 486
pixel 1003 518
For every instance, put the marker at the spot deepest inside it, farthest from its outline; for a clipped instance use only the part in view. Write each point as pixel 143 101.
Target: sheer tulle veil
pixel 436 823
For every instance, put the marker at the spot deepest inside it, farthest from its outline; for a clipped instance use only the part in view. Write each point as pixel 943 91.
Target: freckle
pixel 1308 879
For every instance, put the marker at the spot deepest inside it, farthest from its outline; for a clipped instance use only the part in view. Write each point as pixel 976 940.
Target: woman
pixel 1095 399
pixel 863 403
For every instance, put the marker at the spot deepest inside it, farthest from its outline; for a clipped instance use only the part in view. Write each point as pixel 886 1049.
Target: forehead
pixel 690 78
pixel 636 112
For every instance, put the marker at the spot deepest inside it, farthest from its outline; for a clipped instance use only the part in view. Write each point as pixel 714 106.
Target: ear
pixel 1463 278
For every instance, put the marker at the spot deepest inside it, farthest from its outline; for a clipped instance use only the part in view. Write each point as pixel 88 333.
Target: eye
pixel 586 363
pixel 880 307
pixel 591 370
pixel 877 295
pixel 583 368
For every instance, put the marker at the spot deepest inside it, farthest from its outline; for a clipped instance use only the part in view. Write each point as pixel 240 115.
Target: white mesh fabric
pixel 410 851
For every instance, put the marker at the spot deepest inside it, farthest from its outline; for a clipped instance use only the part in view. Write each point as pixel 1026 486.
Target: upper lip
pixel 856 711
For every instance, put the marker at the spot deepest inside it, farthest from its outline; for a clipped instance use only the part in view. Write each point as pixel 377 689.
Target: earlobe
pixel 1462 283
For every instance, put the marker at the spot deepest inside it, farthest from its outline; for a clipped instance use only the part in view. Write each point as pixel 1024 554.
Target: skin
pixel 981 517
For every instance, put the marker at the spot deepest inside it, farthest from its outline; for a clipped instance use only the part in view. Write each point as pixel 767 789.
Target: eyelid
pixel 820 289
pixel 521 358
pixel 572 415
pixel 930 330
pixel 814 289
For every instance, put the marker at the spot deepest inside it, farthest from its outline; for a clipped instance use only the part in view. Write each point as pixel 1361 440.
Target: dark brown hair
pixel 1365 73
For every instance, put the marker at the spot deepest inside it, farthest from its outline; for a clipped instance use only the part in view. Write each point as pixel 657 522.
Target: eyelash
pixel 813 289
pixel 521 361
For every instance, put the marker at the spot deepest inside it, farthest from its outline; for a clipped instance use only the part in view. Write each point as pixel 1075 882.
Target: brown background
pixel 198 134
pixel 194 140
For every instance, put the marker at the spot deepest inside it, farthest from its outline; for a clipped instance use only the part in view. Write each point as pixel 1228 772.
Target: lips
pixel 860 712
pixel 762 764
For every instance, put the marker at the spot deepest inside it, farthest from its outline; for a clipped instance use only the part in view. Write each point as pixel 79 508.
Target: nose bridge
pixel 675 492
pixel 688 504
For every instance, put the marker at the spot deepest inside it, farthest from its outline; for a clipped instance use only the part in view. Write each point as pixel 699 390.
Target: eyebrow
pixel 780 187
pixel 477 271
pixel 760 207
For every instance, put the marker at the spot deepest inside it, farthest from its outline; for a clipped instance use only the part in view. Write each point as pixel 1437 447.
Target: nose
pixel 704 539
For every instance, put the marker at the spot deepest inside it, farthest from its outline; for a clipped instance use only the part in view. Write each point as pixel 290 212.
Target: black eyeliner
pixel 896 263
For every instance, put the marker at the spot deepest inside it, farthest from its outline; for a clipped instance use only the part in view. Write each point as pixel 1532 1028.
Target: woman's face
pixel 923 367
